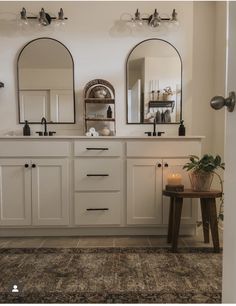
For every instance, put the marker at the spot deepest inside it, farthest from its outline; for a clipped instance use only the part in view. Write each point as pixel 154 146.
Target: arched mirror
pixel 154 83
pixel 45 71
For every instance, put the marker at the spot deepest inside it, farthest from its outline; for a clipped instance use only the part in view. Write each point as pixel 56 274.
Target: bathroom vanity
pixel 91 185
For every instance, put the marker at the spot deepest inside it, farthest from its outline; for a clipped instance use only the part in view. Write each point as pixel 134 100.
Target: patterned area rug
pixel 110 275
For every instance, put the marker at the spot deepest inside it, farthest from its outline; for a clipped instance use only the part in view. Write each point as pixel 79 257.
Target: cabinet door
pixel 50 202
pixel 189 212
pixel 15 192
pixel 144 192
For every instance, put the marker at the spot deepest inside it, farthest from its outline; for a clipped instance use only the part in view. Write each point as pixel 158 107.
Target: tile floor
pixel 102 241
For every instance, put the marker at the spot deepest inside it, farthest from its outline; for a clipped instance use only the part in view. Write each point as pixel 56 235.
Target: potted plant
pixel 203 170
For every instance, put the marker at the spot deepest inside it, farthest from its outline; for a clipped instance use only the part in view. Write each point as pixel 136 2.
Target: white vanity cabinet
pixel 98 172
pixel 147 177
pixel 34 191
pixel 15 192
pixel 144 191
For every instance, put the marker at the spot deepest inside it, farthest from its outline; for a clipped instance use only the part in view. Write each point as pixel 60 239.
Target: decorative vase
pixel 200 180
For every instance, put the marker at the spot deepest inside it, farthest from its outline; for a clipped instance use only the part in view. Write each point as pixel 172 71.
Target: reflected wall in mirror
pixel 46 82
pixel 154 83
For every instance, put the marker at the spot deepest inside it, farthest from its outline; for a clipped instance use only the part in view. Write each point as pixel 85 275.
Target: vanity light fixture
pixel 43 17
pixel 155 20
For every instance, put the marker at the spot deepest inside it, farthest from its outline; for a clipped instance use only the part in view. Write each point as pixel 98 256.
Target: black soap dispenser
pixel 182 128
pixel 26 129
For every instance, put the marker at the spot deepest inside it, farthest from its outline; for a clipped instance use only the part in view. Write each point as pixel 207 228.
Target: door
pixel 62 105
pixel 15 192
pixel 34 104
pixel 189 211
pixel 144 191
pixel 134 102
pixel 229 262
pixel 50 203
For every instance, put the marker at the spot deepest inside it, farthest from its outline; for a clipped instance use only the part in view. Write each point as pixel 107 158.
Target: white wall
pixel 96 54
pixel 99 55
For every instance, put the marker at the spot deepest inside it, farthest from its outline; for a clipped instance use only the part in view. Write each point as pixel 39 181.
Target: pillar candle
pixel 174 179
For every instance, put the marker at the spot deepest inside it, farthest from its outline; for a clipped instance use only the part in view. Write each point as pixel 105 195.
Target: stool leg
pixel 205 220
pixel 178 203
pixel 213 223
pixel 170 224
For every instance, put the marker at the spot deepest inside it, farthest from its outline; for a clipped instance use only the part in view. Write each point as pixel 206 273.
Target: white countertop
pixel 3 137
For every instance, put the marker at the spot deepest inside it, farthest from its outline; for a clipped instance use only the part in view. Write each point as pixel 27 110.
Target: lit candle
pixel 174 179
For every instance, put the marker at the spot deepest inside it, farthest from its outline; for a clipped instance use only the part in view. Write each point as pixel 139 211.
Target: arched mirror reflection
pixel 154 83
pixel 46 82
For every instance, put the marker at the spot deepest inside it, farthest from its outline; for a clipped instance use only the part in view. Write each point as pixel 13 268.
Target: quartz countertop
pixel 4 137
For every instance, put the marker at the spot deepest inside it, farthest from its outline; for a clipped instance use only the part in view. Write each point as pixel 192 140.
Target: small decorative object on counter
pixel 109 112
pixel 92 132
pixel 182 129
pixel 26 129
pixel 177 188
pixel 105 131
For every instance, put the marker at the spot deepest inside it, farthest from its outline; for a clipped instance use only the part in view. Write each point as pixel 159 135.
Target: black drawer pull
pixel 159 165
pixel 98 149
pixel 92 209
pixel 97 174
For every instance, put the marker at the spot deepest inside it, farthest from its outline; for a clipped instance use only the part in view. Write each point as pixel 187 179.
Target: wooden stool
pixel 209 214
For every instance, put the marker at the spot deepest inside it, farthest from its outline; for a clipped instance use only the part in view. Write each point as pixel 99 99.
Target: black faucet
pixel 44 121
pixel 154 133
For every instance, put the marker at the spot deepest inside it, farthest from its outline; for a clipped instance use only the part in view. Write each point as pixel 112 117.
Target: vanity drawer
pixel 163 148
pixel 97 174
pixel 41 148
pixel 97 208
pixel 97 148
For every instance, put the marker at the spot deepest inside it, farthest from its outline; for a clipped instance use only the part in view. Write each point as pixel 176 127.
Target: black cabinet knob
pixel 159 165
pixel 26 165
pixel 33 166
pixel 166 165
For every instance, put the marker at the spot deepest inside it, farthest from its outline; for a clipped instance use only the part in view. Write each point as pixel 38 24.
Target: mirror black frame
pixel 18 87
pixel 181 64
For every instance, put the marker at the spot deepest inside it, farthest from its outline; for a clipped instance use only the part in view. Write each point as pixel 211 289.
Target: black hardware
pixel 166 165
pixel 97 174
pixel 154 127
pixel 159 165
pixel 159 133
pixel 1 84
pixel 40 133
pixel 92 209
pixel 98 149
pixel 50 133
pixel 148 133
pixel 33 166
pixel 26 165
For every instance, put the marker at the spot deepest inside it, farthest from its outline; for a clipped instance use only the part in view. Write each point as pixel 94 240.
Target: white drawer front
pixel 97 174
pixel 42 148
pixel 163 148
pixel 97 208
pixel 97 148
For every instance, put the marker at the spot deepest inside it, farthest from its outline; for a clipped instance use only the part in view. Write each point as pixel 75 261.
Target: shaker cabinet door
pixel 144 192
pixel 15 192
pixel 50 201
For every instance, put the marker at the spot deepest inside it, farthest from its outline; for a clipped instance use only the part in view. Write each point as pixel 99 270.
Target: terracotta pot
pixel 201 181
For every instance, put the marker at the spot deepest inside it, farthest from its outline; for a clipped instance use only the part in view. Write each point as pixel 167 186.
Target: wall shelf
pixel 97 106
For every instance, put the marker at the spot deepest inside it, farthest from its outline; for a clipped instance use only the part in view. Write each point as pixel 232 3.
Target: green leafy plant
pixel 208 164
